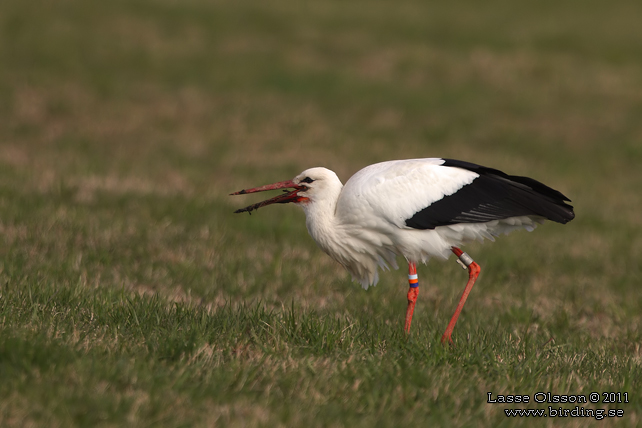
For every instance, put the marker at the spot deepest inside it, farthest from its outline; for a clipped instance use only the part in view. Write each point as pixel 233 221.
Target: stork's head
pixel 309 186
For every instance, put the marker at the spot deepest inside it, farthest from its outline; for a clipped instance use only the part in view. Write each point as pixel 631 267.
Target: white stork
pixel 417 208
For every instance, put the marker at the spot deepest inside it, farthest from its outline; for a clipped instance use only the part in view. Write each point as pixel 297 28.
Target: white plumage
pixel 417 208
pixel 363 226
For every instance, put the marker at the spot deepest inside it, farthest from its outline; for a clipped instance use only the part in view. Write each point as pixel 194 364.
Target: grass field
pixel 130 295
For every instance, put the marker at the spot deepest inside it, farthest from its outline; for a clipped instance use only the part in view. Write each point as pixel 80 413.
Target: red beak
pixel 288 196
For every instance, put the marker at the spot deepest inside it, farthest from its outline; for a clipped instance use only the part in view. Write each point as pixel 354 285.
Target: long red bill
pixel 288 196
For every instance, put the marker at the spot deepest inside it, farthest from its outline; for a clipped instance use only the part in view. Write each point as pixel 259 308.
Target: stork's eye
pixel 307 180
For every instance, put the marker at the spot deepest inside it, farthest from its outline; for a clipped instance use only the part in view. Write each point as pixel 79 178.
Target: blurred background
pixel 204 96
pixel 125 124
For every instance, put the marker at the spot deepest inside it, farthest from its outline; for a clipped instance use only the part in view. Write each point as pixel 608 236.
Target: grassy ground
pixel 130 295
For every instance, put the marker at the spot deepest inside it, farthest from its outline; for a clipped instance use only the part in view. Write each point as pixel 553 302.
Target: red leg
pixel 413 292
pixel 473 273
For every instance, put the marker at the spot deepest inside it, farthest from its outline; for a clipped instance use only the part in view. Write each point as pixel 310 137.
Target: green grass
pixel 130 295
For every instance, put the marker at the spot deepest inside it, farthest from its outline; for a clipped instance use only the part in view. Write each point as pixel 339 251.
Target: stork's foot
pixel 473 273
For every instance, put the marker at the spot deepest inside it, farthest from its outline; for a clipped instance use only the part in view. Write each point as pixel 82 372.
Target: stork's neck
pixel 321 219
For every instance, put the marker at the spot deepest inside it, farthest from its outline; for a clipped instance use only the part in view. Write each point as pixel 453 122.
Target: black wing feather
pixel 493 195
